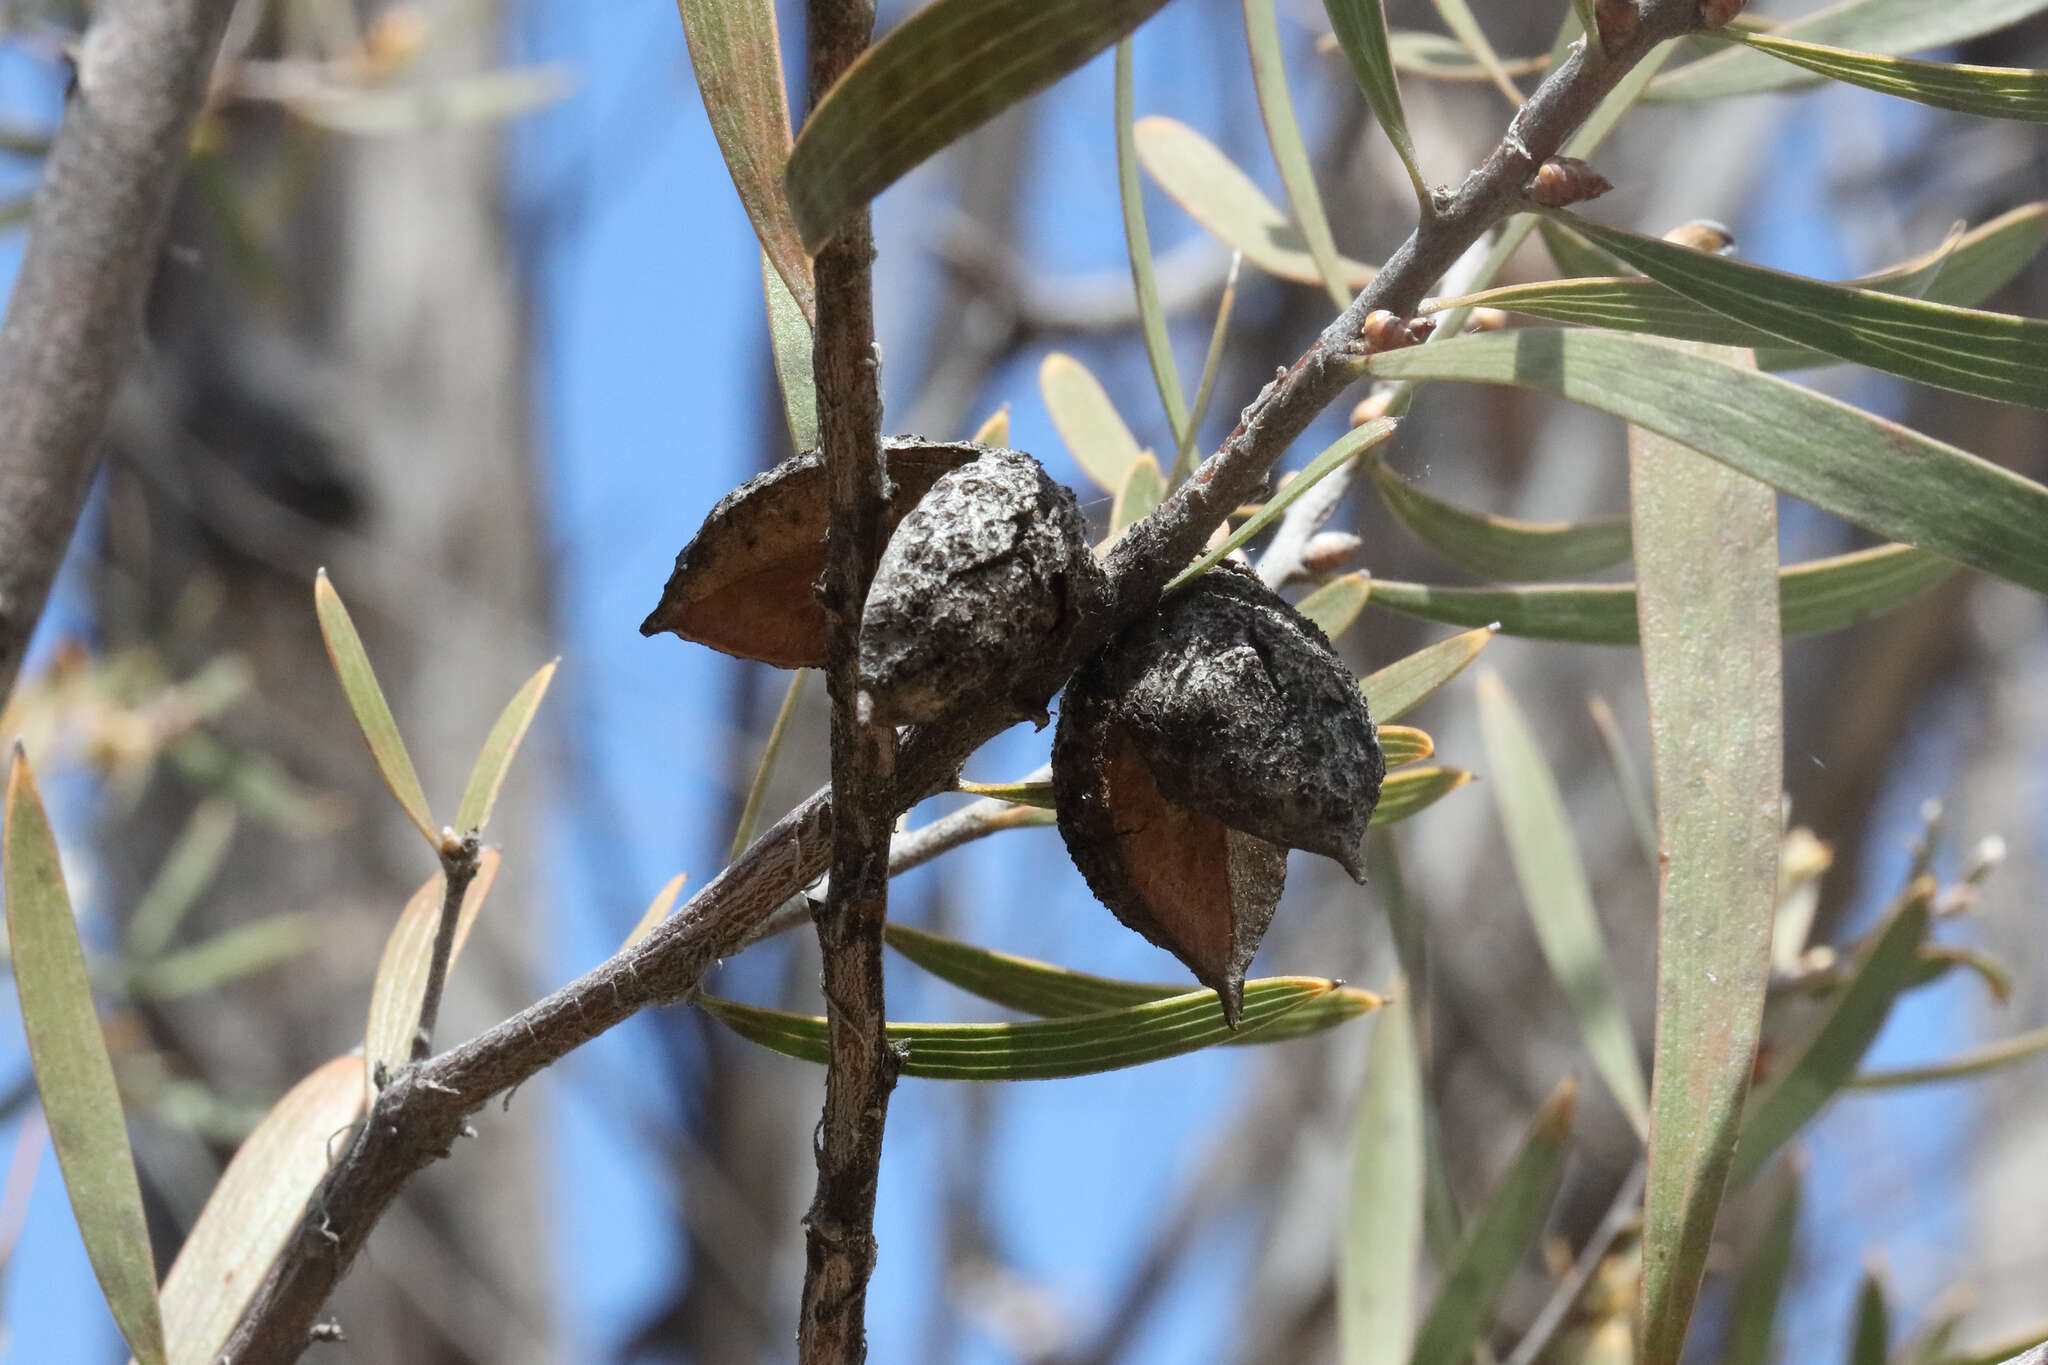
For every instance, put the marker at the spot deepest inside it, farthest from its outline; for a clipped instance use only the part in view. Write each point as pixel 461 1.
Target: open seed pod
pixel 1193 751
pixel 978 589
pixel 744 584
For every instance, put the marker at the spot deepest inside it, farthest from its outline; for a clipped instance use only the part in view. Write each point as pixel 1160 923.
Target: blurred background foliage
pixel 460 305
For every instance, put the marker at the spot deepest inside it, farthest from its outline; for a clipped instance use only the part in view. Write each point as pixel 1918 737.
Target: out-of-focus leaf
pixel 1870 1330
pixel 1559 897
pixel 1635 797
pixel 494 760
pixel 366 701
pixel 1361 27
pixel 1383 1225
pixel 401 984
pixel 771 752
pixel 1754 1311
pixel 1497 1240
pixel 1413 790
pixel 1185 460
pixel 1819 595
pixel 1087 421
pixel 657 910
pixel 737 55
pixel 1403 745
pixel 2000 92
pixel 1341 452
pixel 1964 1066
pixel 789 338
pixel 1223 199
pixel 1707 559
pixel 1793 1096
pixel 943 72
pixel 1436 57
pixel 187 869
pixel 1144 488
pixel 995 431
pixel 1051 992
pixel 448 102
pixel 254 1209
pixel 80 1101
pixel 1026 793
pixel 1336 604
pixel 1458 18
pixel 1575 257
pixel 1886 26
pixel 1937 960
pixel 2012 1351
pixel 1138 245
pixel 1405 684
pixel 1078 1045
pixel 229 956
pixel 1290 154
pixel 1992 355
pixel 1869 471
pixel 1501 547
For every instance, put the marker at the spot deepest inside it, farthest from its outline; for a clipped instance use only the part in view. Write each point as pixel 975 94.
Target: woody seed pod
pixel 978 588
pixel 1616 20
pixel 743 585
pixel 1720 13
pixel 1385 331
pixel 1197 747
pixel 1565 180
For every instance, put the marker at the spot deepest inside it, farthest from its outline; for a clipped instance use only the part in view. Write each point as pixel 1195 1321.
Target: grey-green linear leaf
pixel 1992 355
pixel 1964 1066
pixel 1459 19
pixel 1558 895
pixel 943 72
pixel 1819 595
pixel 81 1103
pixel 1870 1327
pixel 1410 791
pixel 1496 1241
pixel 1290 154
pixel 1754 1311
pixel 1337 603
pixel 1094 432
pixel 789 341
pixel 1383 1225
pixel 1403 744
pixel 1878 474
pixel 501 746
pixel 1079 1045
pixel 1211 189
pixel 1138 245
pixel 1437 57
pixel 2000 92
pixel 1051 992
pixel 366 702
pixel 1792 1097
pixel 1885 26
pixel 1406 683
pixel 737 56
pixel 1361 27
pixel 1501 547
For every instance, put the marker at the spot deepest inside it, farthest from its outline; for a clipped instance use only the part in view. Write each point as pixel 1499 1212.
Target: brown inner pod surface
pixel 743 585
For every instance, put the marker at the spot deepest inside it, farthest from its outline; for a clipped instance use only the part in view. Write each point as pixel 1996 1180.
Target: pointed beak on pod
pixel 1198 747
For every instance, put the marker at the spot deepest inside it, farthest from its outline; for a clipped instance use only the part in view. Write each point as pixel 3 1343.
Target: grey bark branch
pixel 75 315
pixel 419 1115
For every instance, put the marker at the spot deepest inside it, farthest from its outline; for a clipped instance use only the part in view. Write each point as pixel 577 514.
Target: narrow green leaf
pixel 254 1209
pixel 1793 1096
pixel 1964 1066
pixel 1497 1240
pixel 1383 1226
pixel 1753 1313
pixel 1875 473
pixel 1186 459
pixel 1438 58
pixel 73 1073
pixel 1411 791
pixel 1992 355
pixel 1886 26
pixel 1051 992
pixel 1575 257
pixel 737 56
pixel 2000 92
pixel 401 982
pixel 1558 894
pixel 995 431
pixel 1210 188
pixel 1707 558
pixel 1584 21
pixel 1342 451
pixel 494 760
pixel 2011 1351
pixel 1403 745
pixel 757 790
pixel 1635 797
pixel 1870 1330
pixel 1027 793
pixel 1458 18
pixel 1336 604
pixel 789 338
pixel 1361 27
pixel 1078 1045
pixel 1138 245
pixel 1501 547
pixel 1290 154
pixel 1144 488
pixel 656 911
pixel 228 956
pixel 366 701
pixel 943 72
pixel 186 872
pixel 1819 595
pixel 1087 421
pixel 1405 684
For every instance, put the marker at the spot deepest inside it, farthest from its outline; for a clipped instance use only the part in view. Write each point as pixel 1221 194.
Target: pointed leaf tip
pixel 366 702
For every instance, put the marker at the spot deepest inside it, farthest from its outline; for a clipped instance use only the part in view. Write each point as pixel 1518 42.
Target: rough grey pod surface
pixel 1244 711
pixel 981 584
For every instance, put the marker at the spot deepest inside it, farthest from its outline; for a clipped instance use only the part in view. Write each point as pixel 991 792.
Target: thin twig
pixel 459 857
pixel 1619 1214
pixel 75 313
pixel 420 1113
